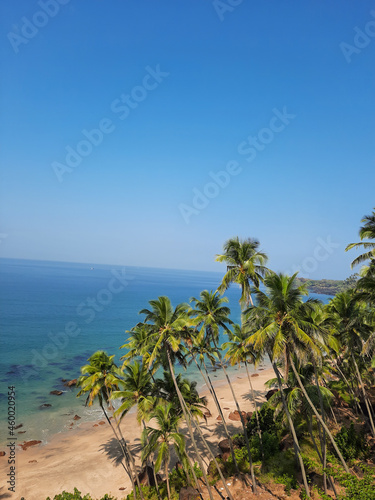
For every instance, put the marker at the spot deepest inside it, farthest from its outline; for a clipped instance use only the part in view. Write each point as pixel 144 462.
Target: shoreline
pixel 86 456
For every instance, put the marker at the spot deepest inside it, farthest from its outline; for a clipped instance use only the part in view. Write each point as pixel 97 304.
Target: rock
pixel 146 476
pixel 219 418
pixel 271 393
pixel 56 393
pixel 95 425
pixel 249 415
pixel 255 375
pixel 21 432
pixel 76 417
pixel 27 444
pixel 235 416
pixel 18 426
pixel 207 414
pixel 44 405
pixel 122 488
pixel 33 461
pixel 102 422
pixel 189 493
pixel 224 446
pixel 71 383
pixel 226 408
pixel 2 453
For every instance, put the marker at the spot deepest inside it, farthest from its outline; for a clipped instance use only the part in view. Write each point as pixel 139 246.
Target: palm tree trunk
pixel 242 421
pixel 125 452
pixel 256 410
pixel 214 397
pixel 167 479
pixel 318 416
pixel 152 465
pixel 244 430
pixel 364 395
pixel 201 465
pixel 323 442
pixel 293 431
pixel 349 387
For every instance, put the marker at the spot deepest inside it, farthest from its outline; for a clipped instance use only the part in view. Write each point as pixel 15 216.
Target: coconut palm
pixel 354 330
pixel 210 314
pixel 245 266
pixel 136 390
pixel 238 351
pixel 99 378
pixel 280 330
pixel 158 440
pixel 168 328
pixel 366 232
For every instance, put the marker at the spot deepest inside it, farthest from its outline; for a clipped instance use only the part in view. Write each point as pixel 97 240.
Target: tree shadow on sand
pixel 5 494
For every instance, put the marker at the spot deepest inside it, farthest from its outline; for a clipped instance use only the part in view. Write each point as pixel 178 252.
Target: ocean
pixel 54 315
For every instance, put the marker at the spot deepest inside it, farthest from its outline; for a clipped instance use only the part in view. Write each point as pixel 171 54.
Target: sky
pixel 147 133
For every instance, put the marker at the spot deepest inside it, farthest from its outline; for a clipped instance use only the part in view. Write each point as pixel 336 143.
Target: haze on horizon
pixel 147 134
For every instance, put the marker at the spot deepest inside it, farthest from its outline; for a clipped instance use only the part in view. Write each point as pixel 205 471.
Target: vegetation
pixel 328 287
pixel 317 428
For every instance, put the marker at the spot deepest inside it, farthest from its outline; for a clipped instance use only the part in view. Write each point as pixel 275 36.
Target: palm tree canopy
pixel 277 325
pixel 366 232
pixel 245 265
pixel 238 349
pixel 98 378
pixel 210 314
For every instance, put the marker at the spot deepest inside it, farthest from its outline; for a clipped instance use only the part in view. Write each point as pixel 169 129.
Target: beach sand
pixel 87 456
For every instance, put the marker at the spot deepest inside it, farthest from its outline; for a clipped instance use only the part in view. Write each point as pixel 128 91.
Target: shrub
pixel 76 495
pixel 270 443
pixel 351 443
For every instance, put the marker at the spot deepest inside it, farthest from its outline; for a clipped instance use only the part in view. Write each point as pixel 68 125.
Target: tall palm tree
pixel 366 232
pixel 99 378
pixel 158 440
pixel 354 331
pixel 238 351
pixel 210 314
pixel 168 328
pixel 136 390
pixel 281 331
pixel 245 266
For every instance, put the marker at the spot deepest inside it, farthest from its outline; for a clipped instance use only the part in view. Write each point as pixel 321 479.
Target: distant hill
pixel 329 287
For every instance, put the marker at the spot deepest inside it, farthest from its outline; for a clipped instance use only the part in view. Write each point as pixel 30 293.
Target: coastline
pixel 85 455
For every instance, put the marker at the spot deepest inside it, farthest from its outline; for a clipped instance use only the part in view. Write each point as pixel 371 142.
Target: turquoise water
pixel 55 315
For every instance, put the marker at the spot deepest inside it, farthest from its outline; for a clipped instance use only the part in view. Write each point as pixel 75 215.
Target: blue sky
pixel 179 89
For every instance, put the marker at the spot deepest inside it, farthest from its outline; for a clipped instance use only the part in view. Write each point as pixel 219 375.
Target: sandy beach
pixel 87 456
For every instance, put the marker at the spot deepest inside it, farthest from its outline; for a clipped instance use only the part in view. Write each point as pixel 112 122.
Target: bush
pixel 76 495
pixel 270 443
pixel 351 443
pixel 267 421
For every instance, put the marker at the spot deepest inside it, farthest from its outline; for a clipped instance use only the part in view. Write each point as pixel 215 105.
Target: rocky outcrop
pixel 27 444
pixel 56 393
pixel 71 383
pixel 236 417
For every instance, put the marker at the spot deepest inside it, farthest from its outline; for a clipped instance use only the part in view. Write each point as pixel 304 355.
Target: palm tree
pixel 281 331
pixel 354 330
pixel 168 328
pixel 210 315
pixel 366 232
pixel 245 266
pixel 239 352
pixel 98 380
pixel 158 440
pixel 136 390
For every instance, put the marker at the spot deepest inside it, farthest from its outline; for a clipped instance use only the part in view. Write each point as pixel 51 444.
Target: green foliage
pixel 280 468
pixel 351 443
pixel 150 493
pixel 329 287
pixel 270 443
pixel 355 488
pixel 177 477
pixel 76 495
pixel 242 459
pixel 267 421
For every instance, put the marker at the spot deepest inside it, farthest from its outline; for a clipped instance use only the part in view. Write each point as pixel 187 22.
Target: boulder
pixel 235 416
pixel 18 426
pixel 189 493
pixel 146 476
pixel 44 405
pixel 207 413
pixel 71 383
pixel 249 415
pixel 21 432
pixel 56 393
pixel 27 444
pixel 33 461
pixel 2 453
pixel 76 417
pixel 224 446
pixel 255 375
pixel 219 418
